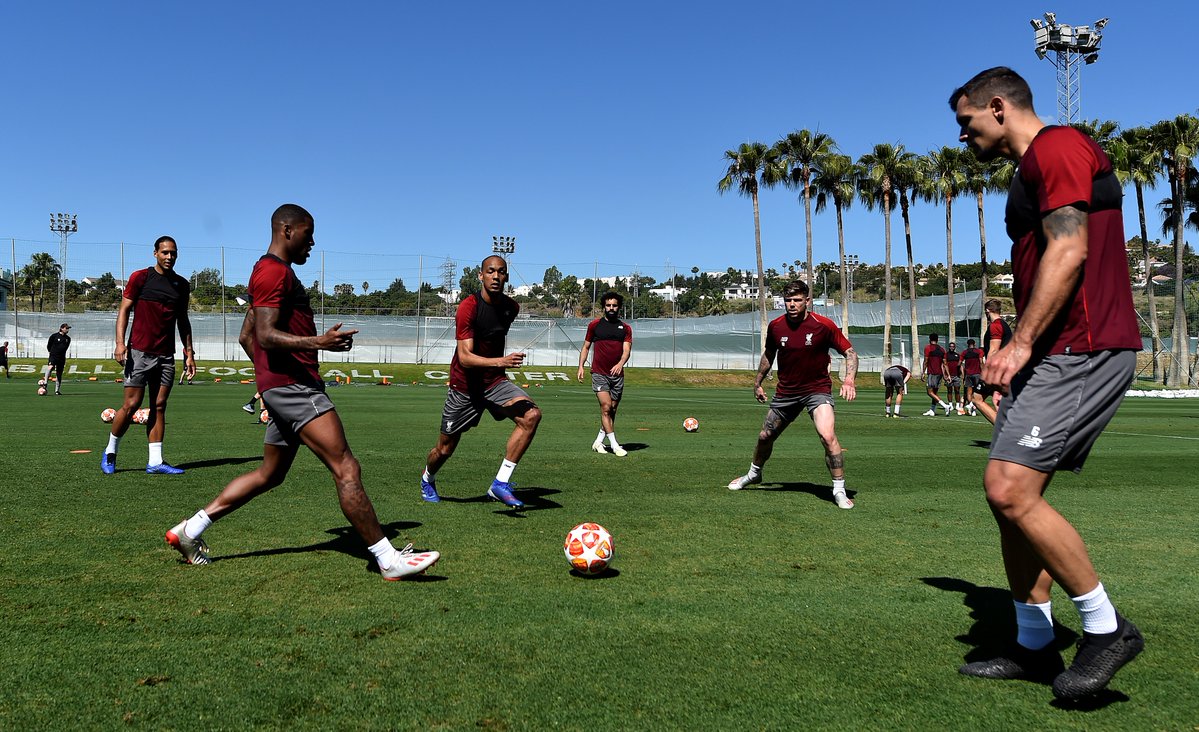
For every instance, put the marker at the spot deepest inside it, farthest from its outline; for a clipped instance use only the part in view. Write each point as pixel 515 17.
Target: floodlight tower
pixel 448 270
pixel 64 225
pixel 1068 44
pixel 505 245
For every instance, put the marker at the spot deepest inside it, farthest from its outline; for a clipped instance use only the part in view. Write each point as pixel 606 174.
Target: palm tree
pixel 802 154
pixel 1136 159
pixel 907 180
pixel 42 270
pixel 746 164
pixel 982 178
pixel 876 188
pixel 1178 139
pixel 1104 132
pixel 835 181
pixel 946 180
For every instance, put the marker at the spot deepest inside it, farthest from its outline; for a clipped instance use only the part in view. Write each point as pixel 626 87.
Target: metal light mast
pixel 1066 46
pixel 64 225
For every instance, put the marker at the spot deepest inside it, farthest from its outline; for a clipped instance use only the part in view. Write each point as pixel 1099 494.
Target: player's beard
pixel 612 316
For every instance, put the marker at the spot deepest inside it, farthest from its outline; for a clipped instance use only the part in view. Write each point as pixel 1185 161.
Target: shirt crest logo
pixel 783 342
pixel 807 341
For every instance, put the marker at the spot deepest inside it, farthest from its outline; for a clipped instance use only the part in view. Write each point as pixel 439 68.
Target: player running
pixel 478 383
pixel 802 340
pixel 613 339
pixel 285 345
pixel 157 299
pixel 972 368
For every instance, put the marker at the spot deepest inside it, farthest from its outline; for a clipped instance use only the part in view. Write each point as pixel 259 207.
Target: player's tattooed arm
pixel 1066 221
pixel 851 365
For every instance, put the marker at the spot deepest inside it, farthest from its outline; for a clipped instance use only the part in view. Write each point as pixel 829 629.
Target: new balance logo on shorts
pixel 1032 440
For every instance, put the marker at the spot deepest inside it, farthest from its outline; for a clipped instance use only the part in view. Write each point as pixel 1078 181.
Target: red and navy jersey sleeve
pixel 464 319
pixel 1063 169
pixel 269 284
pixel 133 288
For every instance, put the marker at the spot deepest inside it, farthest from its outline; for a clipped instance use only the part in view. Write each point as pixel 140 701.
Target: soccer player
pixel 932 372
pixel 4 359
pixel 1075 344
pixel 57 345
pixel 953 377
pixel 997 336
pixel 895 378
pixel 972 368
pixel 801 340
pixel 252 405
pixel 613 339
pixel 478 383
pixel 282 333
pixel 157 297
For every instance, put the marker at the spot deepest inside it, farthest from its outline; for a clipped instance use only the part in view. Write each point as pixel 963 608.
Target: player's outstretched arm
pixel 270 337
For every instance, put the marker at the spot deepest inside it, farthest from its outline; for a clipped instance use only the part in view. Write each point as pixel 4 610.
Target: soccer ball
pixel 589 548
pixel 264 416
pixel 41 391
pixel 108 415
pixel 691 424
pixel 141 416
pixel 41 381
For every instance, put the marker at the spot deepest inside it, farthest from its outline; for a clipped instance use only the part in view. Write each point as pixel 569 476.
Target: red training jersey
pixel 953 363
pixel 972 361
pixel 1064 167
pixel 487 325
pixel 273 284
pixel 935 355
pixel 607 339
pixel 802 349
pixel 158 300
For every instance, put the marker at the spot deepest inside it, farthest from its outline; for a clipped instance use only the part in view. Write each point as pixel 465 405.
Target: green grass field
pixel 761 609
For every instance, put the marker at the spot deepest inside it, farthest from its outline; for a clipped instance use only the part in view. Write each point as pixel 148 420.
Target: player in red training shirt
pixel 972 368
pixel 479 383
pixel 282 332
pixel 933 371
pixel 1063 374
pixel 997 335
pixel 802 340
pixel 613 340
pixel 157 298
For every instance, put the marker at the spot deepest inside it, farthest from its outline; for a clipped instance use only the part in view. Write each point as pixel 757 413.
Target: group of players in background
pixel 1075 343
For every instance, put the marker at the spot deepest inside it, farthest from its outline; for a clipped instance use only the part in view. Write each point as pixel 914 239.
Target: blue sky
pixel 593 133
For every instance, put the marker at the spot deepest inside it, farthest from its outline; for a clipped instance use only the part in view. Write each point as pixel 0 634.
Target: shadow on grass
pixel 823 492
pixel 634 446
pixel 981 443
pixel 608 573
pixel 219 461
pixel 345 541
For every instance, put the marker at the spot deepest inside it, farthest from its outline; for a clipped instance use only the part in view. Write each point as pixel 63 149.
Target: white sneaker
pixel 619 451
pixel 737 484
pixel 948 410
pixel 961 412
pixel 929 413
pixel 598 446
pixel 842 501
pixel 194 551
pixel 408 563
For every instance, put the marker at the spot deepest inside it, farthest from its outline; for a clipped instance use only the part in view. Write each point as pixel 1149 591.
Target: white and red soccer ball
pixel 108 415
pixel 691 424
pixel 589 548
pixel 141 416
pixel 41 391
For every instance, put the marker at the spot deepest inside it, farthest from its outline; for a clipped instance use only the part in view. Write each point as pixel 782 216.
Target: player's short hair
pixel 999 81
pixel 289 213
pixel 969 341
pixel 993 306
pixel 795 287
pixel 953 344
pixel 483 264
pixel 932 337
pixel 612 295
pixel 158 242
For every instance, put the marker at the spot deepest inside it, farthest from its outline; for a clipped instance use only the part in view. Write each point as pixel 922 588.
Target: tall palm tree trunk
pixel 949 266
pixel 761 274
pixel 907 235
pixel 807 220
pixel 1180 368
pixel 887 278
pixel 845 293
pixel 982 252
pixel 1154 333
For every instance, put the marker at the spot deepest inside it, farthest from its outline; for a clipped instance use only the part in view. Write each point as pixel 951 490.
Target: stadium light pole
pixel 505 245
pixel 851 263
pixel 1065 46
pixel 64 225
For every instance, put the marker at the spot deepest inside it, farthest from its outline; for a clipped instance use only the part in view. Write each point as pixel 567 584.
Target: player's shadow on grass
pixel 345 541
pixel 219 461
pixel 981 443
pixel 534 498
pixel 634 446
pixel 823 492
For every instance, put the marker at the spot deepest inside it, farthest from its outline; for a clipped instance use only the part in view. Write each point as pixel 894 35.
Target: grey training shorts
pixel 463 411
pixel 893 379
pixel 784 410
pixel 142 369
pixel 614 385
pixel 291 407
pixel 955 381
pixel 973 381
pixel 933 381
pixel 1054 412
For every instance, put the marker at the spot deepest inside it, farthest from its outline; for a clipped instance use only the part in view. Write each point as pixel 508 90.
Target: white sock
pixel 196 525
pixel 888 410
pixel 155 453
pixel 755 471
pixel 600 437
pixel 612 439
pixel 384 552
pixel 944 405
pixel 1034 624
pixel 897 409
pixel 427 476
pixel 505 474
pixel 113 443
pixel 1096 610
pixel 838 485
